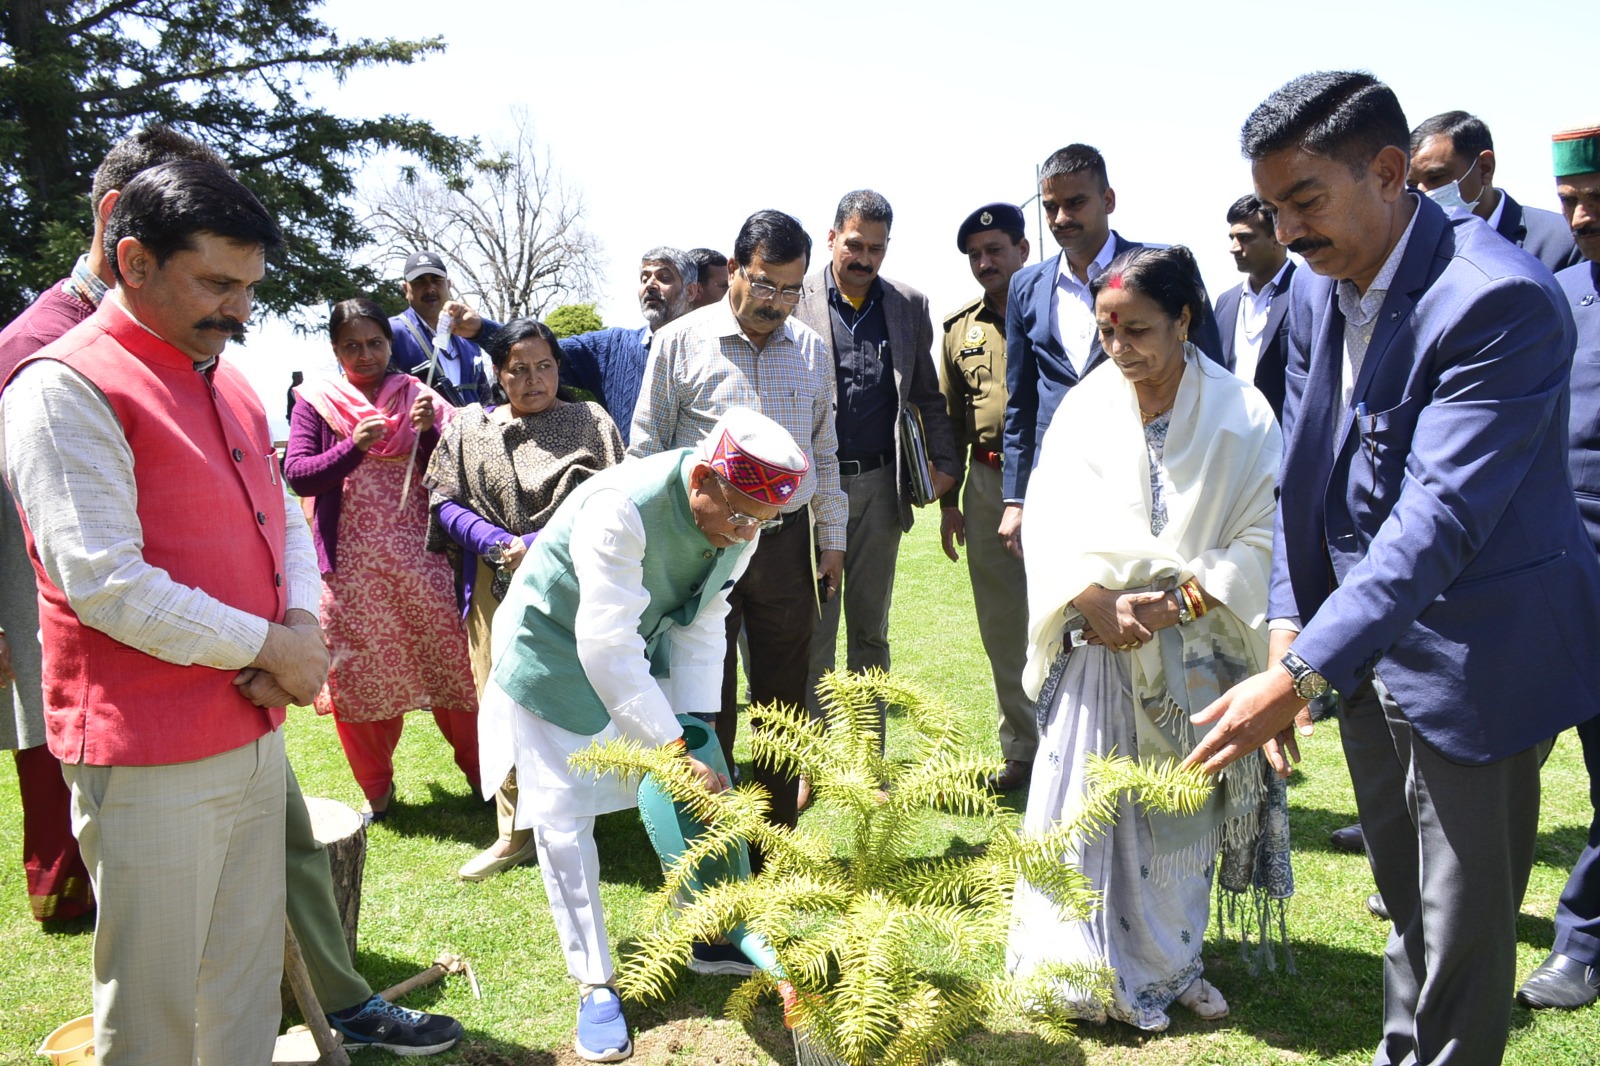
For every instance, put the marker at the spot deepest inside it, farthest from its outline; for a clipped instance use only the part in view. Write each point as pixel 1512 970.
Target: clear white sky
pixel 676 121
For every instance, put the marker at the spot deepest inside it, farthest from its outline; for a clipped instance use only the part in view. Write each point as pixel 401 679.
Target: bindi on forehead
pixel 1114 318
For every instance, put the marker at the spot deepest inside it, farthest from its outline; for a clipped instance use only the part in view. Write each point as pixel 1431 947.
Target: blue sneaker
pixel 602 1030
pixel 379 1023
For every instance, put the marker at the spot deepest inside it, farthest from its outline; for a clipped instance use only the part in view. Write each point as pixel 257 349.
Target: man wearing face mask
pixel 610 362
pixel 1452 161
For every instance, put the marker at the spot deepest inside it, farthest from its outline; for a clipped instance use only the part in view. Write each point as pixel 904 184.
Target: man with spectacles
pixel 748 352
pixel 881 335
pixel 617 631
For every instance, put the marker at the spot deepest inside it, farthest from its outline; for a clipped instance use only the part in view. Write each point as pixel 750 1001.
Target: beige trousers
pixel 187 861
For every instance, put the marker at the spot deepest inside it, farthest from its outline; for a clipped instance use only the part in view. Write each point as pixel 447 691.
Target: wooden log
pixel 339 829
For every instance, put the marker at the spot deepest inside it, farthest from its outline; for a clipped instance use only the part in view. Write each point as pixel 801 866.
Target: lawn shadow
pixel 494 1052
pixel 1309 827
pixel 1560 845
pixel 1332 1005
pixel 82 925
pixel 1012 1048
pixel 444 814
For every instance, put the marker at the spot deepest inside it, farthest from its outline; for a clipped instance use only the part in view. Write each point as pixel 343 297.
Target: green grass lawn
pixel 414 908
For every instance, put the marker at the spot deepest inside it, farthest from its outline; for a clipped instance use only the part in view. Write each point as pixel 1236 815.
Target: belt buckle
pixel 849 467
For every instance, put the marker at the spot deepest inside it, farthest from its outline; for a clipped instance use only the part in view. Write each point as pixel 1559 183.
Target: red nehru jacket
pixel 213 517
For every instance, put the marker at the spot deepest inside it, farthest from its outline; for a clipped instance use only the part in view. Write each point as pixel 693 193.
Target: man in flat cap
pixel 1569 978
pixel 460 377
pixel 613 626
pixel 974 385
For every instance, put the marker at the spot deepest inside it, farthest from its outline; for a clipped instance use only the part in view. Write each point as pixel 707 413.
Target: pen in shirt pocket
pixel 272 465
pixel 1366 431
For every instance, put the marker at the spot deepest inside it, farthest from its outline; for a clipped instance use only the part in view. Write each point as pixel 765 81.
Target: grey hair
pixel 688 270
pixel 866 205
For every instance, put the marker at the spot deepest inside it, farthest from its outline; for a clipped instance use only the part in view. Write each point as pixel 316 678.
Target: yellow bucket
pixel 71 1043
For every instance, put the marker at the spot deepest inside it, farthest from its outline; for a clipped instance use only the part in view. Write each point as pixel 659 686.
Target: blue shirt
pixel 461 378
pixel 610 364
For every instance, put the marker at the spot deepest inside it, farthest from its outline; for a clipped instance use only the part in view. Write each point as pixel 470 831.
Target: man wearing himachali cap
pixel 614 623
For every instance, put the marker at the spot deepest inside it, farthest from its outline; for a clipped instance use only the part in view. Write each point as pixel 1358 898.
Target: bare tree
pixel 511 230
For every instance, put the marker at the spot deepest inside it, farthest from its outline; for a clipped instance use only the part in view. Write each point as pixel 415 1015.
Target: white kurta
pixel 607 545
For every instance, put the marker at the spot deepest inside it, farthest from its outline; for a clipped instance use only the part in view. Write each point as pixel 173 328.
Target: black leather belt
pixel 852 467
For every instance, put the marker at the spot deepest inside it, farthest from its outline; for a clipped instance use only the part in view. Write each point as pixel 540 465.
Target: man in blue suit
pixel 1051 340
pixel 1428 549
pixel 1253 316
pixel 1452 160
pixel 1570 977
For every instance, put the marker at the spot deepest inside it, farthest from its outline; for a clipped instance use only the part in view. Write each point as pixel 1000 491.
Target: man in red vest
pixel 178 591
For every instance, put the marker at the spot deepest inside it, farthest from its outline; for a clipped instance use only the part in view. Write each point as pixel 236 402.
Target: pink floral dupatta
pixel 343 407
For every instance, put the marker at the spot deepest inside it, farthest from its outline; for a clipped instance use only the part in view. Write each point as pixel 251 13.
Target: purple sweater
pixel 317 461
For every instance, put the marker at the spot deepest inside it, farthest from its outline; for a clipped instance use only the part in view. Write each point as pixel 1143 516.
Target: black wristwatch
pixel 1308 684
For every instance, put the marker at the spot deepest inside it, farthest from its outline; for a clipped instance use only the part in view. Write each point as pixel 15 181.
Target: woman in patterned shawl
pixel 498 475
pixel 395 640
pixel 1148 539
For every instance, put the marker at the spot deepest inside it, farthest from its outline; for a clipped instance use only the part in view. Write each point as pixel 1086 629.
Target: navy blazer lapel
pixel 1511 226
pixel 1410 278
pixel 1228 311
pixel 1314 416
pixel 1039 331
pixel 1275 314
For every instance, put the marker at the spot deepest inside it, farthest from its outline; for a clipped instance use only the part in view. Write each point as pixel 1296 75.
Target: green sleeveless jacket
pixel 535 651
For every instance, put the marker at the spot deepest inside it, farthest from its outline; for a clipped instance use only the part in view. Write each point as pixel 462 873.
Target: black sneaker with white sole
pixel 379 1023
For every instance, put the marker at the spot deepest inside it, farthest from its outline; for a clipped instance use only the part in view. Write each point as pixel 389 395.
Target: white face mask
pixel 1449 197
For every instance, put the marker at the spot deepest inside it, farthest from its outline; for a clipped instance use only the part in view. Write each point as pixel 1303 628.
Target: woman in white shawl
pixel 1148 535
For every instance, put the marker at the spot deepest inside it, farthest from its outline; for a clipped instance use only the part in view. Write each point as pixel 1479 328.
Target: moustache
pixel 771 314
pixel 1308 244
pixel 857 268
pixel 1585 231
pixel 983 274
pixel 223 324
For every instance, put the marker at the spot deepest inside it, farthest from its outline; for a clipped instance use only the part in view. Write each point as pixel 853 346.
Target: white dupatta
pixel 1087 521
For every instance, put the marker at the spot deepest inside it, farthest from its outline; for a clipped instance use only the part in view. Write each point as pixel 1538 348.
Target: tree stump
pixel 340 831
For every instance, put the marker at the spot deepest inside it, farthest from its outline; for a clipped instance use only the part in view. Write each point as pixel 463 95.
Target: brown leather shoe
pixel 1013 776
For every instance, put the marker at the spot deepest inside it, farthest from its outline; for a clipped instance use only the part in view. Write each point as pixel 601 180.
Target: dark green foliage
pixel 77 75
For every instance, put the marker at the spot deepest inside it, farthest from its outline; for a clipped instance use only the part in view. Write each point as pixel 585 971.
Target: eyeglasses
pixel 765 290
pixel 740 520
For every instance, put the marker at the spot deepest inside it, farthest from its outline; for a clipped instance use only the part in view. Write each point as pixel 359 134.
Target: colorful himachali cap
pixel 755 455
pixel 1576 151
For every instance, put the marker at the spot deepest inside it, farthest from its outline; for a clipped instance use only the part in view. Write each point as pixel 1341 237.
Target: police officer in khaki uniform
pixel 974 385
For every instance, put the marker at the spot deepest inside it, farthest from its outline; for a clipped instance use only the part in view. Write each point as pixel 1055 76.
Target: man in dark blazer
pixel 1570 976
pixel 1254 323
pixel 1428 549
pixel 1051 340
pixel 881 336
pixel 1452 160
